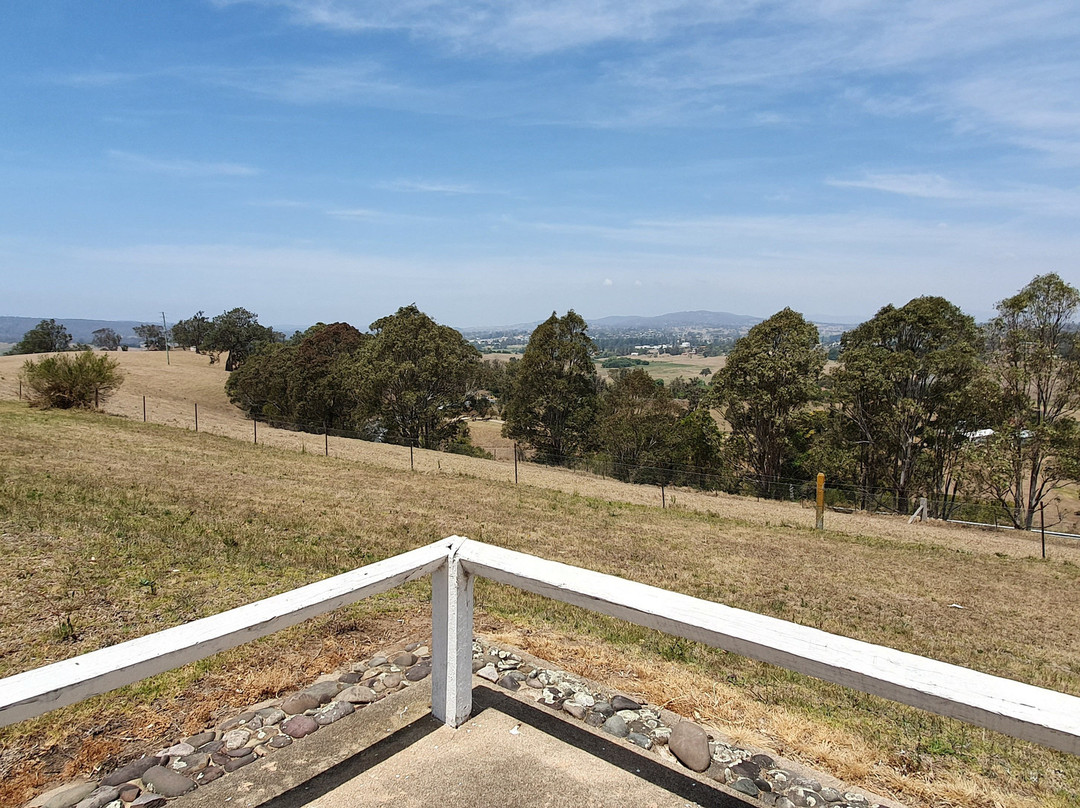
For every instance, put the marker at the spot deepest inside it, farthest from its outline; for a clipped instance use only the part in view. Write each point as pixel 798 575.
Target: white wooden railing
pixel 1020 710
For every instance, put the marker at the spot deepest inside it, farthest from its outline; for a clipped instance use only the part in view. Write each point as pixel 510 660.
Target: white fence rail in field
pixel 1020 710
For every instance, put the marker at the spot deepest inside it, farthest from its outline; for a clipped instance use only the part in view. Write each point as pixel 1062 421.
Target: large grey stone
pixel 202 738
pixel 324 691
pixel 616 726
pixel 299 726
pixel 132 771
pixel 357 694
pixel 70 796
pixel 333 712
pixel 147 800
pixel 99 797
pixel 300 703
pixel 236 738
pixel 166 783
pixel 690 744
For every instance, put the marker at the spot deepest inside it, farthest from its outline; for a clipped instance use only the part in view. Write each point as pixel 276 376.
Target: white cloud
pixel 431 187
pixel 189 168
pixel 1025 199
pixel 608 282
pixel 927 186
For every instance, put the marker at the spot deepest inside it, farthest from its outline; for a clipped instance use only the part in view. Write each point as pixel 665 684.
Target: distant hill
pixel 678 319
pixel 13 328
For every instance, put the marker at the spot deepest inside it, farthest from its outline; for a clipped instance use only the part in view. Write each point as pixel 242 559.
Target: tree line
pixel 921 401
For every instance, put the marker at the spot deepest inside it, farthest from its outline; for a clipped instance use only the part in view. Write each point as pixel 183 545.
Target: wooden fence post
pixel 196 416
pixel 451 640
pixel 819 523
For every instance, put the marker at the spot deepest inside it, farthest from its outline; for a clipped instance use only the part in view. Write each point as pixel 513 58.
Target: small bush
pixel 65 380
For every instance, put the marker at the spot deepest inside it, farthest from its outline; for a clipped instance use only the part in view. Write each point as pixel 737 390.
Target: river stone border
pixel 154 779
pixel 677 740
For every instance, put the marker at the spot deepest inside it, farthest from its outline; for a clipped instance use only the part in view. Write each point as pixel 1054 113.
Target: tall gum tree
pixel 1034 359
pixel 414 378
pixel 771 374
pixel 554 395
pixel 907 390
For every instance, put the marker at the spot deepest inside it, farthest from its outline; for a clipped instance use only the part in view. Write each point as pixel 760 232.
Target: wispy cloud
pixel 187 168
pixel 433 187
pixel 1025 199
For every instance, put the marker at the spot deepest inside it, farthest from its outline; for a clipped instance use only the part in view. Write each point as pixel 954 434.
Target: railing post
pixel 451 640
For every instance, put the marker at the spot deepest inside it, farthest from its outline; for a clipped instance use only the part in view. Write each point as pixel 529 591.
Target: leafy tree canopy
pixel 1035 363
pixel 107 339
pixel 770 375
pixel 909 390
pixel 192 332
pixel 153 336
pixel 414 377
pixel 238 333
pixel 555 392
pixel 48 336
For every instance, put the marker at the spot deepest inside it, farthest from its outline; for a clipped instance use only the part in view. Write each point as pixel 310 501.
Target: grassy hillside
pixel 113 528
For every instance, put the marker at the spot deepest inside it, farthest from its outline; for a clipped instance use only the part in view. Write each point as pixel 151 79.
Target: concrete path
pixel 510 753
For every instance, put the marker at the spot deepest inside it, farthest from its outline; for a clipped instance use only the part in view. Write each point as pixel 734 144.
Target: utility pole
pixel 165 336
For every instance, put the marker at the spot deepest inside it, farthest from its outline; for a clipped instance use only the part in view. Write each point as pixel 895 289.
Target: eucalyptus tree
pixel 238 333
pixel 907 391
pixel 1035 361
pixel 771 375
pixel 192 332
pixel 48 336
pixel 413 379
pixel 554 394
pixel 636 427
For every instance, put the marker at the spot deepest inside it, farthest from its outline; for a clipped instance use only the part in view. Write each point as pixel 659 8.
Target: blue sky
pixel 494 160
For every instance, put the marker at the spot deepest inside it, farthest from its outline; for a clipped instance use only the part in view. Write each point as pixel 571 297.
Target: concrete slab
pixel 509 753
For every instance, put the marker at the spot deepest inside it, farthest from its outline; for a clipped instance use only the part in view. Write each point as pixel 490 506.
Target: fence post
pixel 144 409
pixel 255 428
pixel 819 523
pixel 326 441
pixel 451 640
pixel 515 464
pixel 663 498
pixel 196 416
pixel 1042 526
pixel 411 466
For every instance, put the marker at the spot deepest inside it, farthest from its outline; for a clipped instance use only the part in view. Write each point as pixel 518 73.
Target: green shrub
pixel 66 380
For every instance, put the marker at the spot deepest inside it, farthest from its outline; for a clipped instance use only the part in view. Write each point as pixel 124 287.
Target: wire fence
pixel 839 496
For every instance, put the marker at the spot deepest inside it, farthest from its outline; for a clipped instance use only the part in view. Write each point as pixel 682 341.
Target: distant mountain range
pixel 678 320
pixel 13 328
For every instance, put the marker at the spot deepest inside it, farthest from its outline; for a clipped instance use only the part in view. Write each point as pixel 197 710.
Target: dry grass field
pixel 113 528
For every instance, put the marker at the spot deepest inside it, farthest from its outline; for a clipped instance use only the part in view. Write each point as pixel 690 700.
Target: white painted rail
pixel 1023 711
pixel 34 692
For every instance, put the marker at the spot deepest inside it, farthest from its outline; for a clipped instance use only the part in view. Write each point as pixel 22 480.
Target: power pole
pixel 165 336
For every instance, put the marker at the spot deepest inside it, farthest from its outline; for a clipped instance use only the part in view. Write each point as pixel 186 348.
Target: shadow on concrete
pixel 642 765
pixel 346 770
